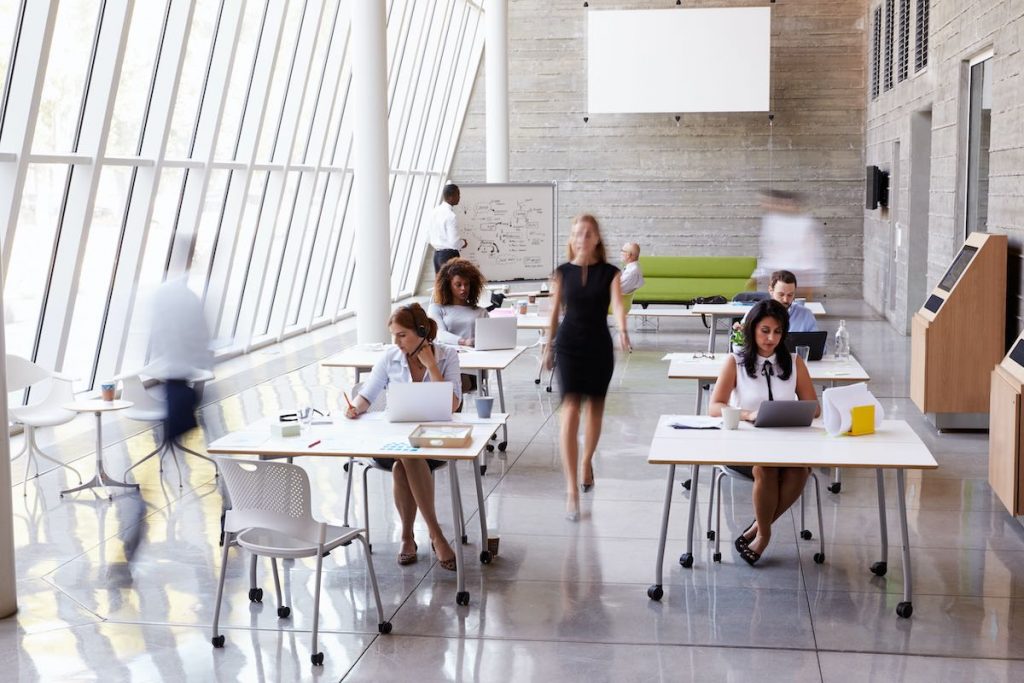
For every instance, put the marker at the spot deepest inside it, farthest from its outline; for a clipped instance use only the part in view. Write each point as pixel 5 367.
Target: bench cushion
pixel 681 279
pixel 678 290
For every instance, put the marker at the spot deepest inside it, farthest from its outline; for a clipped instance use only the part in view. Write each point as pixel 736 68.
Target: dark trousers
pixel 442 256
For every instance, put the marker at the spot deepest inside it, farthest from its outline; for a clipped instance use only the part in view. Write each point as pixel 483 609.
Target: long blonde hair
pixel 599 252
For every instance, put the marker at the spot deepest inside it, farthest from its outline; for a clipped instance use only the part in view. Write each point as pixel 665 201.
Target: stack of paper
pixel 837 404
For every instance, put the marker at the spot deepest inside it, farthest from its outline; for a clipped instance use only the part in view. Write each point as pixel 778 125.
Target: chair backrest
pixel 132 389
pixel 23 373
pixel 751 296
pixel 268 495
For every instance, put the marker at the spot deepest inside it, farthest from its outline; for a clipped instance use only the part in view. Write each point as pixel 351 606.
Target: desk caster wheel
pixel 502 446
pixel 255 595
pixel 384 627
pixel 655 592
pixel 483 470
pixel 717 557
pixel 806 534
pixel 317 659
pixel 490 449
pixel 485 557
pixel 537 381
pixel 284 612
pixel 464 539
pixel 686 559
pixel 548 390
pixel 819 558
pixel 218 641
pixel 879 568
pixel 836 487
pixel 686 484
pixel 711 535
pixel 904 609
pixel 462 598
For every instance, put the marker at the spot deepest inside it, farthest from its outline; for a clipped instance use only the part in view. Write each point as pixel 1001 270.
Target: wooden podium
pixel 958 336
pixel 1005 474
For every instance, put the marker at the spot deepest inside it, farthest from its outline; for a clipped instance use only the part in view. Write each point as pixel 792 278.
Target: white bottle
pixel 842 341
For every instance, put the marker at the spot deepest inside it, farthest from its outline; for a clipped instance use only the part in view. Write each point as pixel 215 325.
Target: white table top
pixel 740 309
pixel 533 321
pixel 828 369
pixel 97 405
pixel 895 445
pixel 367 436
pixel 662 312
pixel 365 356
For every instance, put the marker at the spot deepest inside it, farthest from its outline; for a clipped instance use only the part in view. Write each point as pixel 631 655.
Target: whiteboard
pixel 678 60
pixel 509 229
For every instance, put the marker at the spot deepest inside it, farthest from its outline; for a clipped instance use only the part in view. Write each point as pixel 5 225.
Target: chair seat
pixel 144 415
pixel 41 415
pixel 270 543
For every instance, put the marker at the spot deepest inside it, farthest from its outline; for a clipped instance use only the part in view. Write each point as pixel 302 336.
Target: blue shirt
pixel 801 319
pixel 394 367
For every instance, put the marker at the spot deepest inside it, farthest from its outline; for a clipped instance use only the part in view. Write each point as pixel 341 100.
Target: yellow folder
pixel 862 420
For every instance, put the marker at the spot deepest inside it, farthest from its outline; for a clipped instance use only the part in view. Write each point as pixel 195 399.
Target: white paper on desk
pixel 839 401
pixel 697 422
pixel 243 440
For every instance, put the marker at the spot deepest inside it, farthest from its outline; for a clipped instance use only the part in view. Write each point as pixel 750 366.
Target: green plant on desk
pixel 736 336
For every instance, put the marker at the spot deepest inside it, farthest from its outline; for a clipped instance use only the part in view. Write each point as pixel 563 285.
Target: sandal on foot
pixel 749 556
pixel 409 558
pixel 742 541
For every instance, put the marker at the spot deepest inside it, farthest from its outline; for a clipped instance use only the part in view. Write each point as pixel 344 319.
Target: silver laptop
pixel 786 413
pixel 419 402
pixel 495 333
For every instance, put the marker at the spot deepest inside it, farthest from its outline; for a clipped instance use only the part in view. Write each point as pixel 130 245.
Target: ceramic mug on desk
pixel 730 418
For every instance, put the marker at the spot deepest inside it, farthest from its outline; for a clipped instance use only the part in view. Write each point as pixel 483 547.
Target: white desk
pixel 737 310
pixel 364 357
pixel 371 436
pixel 894 446
pixel 101 479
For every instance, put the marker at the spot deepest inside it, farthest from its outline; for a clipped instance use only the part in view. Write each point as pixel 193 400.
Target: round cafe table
pixel 101 479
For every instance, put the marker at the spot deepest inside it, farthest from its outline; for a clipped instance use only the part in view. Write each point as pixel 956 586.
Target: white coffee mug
pixel 730 418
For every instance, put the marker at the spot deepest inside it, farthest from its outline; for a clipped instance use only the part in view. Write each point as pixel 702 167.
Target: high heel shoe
pixel 585 487
pixel 572 510
pixel 409 558
pixel 449 564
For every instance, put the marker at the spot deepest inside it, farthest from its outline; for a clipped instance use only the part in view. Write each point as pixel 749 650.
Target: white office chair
pixel 150 408
pixel 368 464
pixel 715 504
pixel 271 516
pixel 48 412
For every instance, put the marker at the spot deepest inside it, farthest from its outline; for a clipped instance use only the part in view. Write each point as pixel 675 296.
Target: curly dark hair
pixel 464 269
pixel 768 308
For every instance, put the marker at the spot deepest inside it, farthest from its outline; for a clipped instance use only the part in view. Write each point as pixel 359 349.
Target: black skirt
pixel 389 463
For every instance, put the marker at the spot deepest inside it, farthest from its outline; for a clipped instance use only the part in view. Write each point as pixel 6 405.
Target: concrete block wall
pixel 959 31
pixel 690 188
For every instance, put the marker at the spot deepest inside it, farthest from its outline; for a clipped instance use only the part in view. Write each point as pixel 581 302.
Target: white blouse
pixel 749 391
pixel 393 366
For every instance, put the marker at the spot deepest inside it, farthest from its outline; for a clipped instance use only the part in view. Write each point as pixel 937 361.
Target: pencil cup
pixel 107 391
pixel 484 405
pixel 730 418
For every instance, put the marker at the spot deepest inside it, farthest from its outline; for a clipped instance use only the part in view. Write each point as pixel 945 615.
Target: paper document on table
pixel 243 440
pixel 696 422
pixel 837 405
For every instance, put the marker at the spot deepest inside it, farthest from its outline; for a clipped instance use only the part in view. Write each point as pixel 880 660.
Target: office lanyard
pixel 768 372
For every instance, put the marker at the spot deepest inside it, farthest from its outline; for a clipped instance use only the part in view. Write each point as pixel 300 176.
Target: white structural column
pixel 8 587
pixel 496 87
pixel 372 284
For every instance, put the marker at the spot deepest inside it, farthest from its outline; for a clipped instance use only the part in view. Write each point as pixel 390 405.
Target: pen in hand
pixel 313 444
pixel 345 394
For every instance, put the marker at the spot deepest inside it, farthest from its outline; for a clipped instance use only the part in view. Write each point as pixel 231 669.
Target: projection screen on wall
pixel 678 60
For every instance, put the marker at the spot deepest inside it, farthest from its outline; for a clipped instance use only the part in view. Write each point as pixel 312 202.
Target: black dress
pixel 583 345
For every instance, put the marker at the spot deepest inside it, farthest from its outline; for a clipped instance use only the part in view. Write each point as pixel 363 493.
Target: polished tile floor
pixel 124 590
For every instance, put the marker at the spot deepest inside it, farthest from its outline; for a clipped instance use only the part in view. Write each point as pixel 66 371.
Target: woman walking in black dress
pixel 581 347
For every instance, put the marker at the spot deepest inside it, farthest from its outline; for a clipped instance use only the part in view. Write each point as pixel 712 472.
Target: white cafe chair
pixel 271 516
pixel 48 412
pixel 150 408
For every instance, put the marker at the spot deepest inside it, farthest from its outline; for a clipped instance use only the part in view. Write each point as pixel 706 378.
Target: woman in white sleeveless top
pixel 756 374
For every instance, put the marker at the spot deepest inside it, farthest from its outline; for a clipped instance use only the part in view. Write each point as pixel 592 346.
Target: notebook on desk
pixel 419 402
pixel 493 334
pixel 814 340
pixel 786 413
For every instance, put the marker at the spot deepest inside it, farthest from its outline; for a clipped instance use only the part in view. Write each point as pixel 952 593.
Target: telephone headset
pixel 421 329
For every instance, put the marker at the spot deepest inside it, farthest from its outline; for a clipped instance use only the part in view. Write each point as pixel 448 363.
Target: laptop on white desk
pixel 493 334
pixel 419 402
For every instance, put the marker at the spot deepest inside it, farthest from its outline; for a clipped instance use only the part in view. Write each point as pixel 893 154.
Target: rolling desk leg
pixel 711 335
pixel 905 608
pixel 686 559
pixel 461 594
pixel 501 404
pixel 879 568
pixel 696 411
pixel 485 554
pixel 655 591
pixel 837 481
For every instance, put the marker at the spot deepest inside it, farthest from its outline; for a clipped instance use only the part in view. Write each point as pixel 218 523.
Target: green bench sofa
pixel 682 279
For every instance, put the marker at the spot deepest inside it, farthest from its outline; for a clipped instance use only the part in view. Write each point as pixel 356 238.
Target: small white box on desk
pixel 285 429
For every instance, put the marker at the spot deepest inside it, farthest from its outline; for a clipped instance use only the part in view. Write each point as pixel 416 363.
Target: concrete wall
pixel 690 188
pixel 959 30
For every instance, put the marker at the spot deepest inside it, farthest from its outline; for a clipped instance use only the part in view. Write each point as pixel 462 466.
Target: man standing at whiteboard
pixel 443 230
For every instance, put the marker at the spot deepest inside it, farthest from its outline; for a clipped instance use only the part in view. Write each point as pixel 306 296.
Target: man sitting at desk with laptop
pixel 782 288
